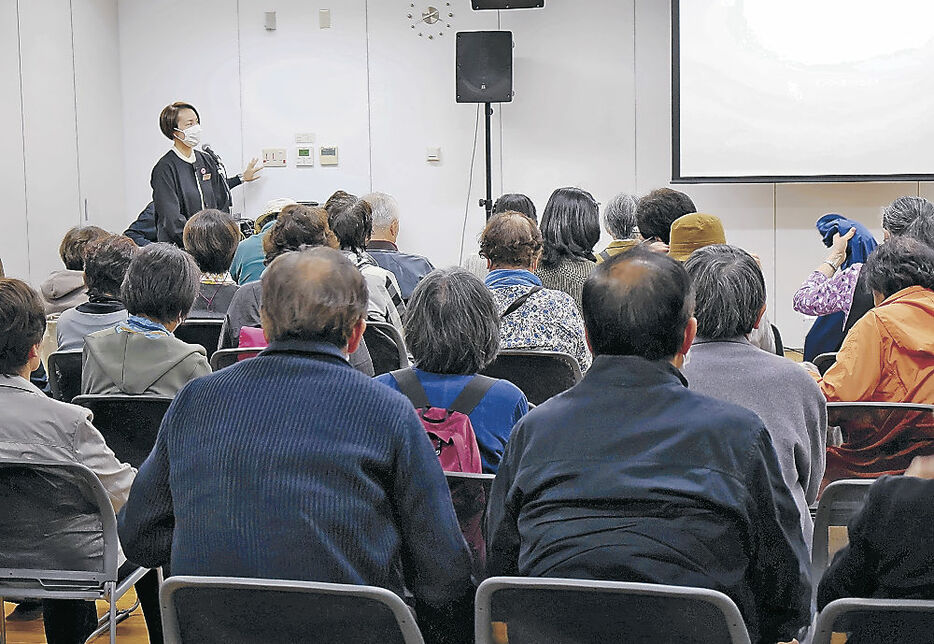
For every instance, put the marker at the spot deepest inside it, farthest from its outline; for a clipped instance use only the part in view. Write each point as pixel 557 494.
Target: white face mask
pixel 192 135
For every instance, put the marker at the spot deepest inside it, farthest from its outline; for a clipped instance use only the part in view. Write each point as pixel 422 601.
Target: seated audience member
pixel 631 476
pixel 831 287
pixel 141 356
pixel 570 229
pixel 296 227
pixel 730 292
pixel 657 210
pixel 353 225
pixel 619 219
pixel 409 269
pixel 888 555
pixel 690 232
pixel 249 261
pixel 143 230
pixel 40 428
pixel 888 356
pixel 105 265
pixel 65 289
pixel 452 330
pixel 352 490
pixel 532 317
pixel 211 237
pixel 515 202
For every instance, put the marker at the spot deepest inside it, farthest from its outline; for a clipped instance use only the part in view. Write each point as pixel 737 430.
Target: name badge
pixel 206 176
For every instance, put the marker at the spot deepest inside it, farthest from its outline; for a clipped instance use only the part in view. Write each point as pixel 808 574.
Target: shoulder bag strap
pixel 519 301
pixel 411 386
pixel 468 399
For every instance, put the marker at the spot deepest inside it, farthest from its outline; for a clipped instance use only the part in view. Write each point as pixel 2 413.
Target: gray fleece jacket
pixel 132 363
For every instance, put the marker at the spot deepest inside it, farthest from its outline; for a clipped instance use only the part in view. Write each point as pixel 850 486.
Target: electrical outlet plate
pixel 328 155
pixel 433 155
pixel 304 156
pixel 274 157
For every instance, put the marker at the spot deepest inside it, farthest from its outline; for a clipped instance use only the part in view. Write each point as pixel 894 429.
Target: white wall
pixel 592 108
pixel 62 164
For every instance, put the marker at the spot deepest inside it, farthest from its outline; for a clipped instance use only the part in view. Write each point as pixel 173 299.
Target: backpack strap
pixel 519 301
pixel 471 395
pixel 604 255
pixel 411 386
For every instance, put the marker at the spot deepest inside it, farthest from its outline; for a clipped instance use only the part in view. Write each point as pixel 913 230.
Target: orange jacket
pixel 888 356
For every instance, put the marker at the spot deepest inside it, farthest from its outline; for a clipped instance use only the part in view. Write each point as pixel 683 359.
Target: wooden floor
pixel 130 631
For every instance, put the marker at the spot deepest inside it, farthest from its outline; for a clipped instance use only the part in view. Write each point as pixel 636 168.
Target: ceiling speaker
pixel 508 4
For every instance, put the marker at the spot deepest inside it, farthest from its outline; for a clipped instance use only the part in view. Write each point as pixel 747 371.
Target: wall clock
pixel 430 20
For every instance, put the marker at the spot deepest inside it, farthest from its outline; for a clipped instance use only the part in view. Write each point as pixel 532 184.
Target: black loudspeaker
pixel 508 4
pixel 484 67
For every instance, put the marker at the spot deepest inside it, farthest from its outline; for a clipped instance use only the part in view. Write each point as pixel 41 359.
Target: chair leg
pixel 2 623
pixel 113 614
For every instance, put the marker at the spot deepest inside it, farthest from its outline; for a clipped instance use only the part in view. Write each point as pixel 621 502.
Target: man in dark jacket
pixel 409 269
pixel 143 230
pixel 630 476
pixel 340 485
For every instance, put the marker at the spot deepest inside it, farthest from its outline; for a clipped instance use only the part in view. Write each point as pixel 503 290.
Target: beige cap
pixel 690 232
pixel 272 209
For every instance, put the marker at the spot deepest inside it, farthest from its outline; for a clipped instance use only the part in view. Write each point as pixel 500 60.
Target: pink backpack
pixel 449 429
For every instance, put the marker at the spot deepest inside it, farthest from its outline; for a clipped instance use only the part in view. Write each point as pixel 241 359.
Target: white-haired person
pixel 409 269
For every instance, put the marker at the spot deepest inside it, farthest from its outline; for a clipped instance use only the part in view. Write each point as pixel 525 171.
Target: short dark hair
pixel 515 202
pixel 106 262
pixel 511 239
pixel 211 236
pixel 22 324
pixel 570 226
pixel 729 290
pixel 451 323
pixel 353 226
pixel 657 210
pixel 161 283
pixel 898 264
pixel 298 226
pixel 638 303
pixel 168 119
pixel 313 294
pixel 74 243
pixel 338 201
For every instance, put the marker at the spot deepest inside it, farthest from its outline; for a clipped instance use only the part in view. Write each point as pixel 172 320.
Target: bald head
pixel 313 294
pixel 638 303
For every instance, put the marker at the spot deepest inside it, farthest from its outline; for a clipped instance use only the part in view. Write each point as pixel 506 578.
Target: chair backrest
pixel 539 374
pixel 906 621
pixel 470 494
pixel 838 503
pixel 577 610
pixel 779 345
pixel 129 424
pixel 225 357
pixel 65 374
pixel 824 361
pixel 234 610
pixel 206 332
pixel 386 347
pixel 58 535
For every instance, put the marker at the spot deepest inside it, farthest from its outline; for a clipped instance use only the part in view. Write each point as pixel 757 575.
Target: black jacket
pixel 630 476
pixel 889 554
pixel 177 196
pixel 143 230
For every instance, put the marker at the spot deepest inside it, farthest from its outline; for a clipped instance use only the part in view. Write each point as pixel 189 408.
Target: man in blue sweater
pixel 294 465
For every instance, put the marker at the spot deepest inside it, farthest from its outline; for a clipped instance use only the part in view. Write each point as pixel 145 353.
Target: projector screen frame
pixel 678 178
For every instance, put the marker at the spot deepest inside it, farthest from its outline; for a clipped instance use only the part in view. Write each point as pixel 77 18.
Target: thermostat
pixel 304 155
pixel 328 155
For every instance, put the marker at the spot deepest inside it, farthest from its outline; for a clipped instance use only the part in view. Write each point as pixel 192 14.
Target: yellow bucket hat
pixel 690 232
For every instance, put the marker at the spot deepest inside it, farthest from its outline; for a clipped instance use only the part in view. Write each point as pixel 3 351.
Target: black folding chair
pixel 65 374
pixel 825 361
pixel 839 502
pixel 205 332
pixel 129 424
pixel 226 357
pixel 779 346
pixel 906 621
pixel 386 347
pixel 470 494
pixel 539 374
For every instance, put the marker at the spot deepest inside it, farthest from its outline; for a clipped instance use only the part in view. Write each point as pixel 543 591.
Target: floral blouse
pixel 822 295
pixel 549 320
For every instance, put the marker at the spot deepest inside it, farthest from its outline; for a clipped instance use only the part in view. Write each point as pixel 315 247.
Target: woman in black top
pixel 186 180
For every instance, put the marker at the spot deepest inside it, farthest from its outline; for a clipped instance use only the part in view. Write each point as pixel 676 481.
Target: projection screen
pixel 802 90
